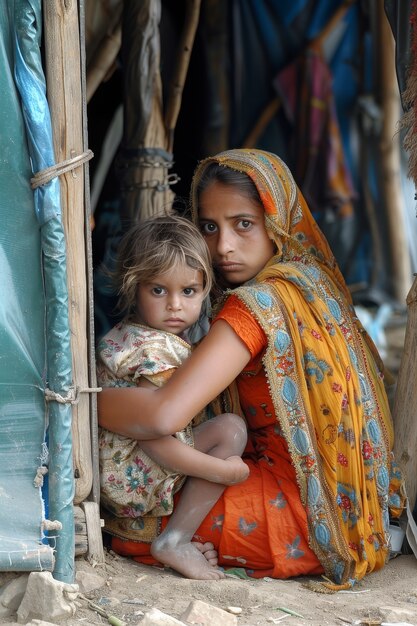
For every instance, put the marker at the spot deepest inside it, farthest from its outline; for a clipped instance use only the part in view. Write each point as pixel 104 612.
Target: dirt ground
pixel 395 586
pixel 130 589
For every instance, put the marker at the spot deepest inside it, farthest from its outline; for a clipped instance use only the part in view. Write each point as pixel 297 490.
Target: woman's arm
pixel 145 413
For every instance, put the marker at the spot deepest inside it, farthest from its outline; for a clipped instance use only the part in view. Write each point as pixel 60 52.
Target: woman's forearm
pixel 124 410
pixel 145 414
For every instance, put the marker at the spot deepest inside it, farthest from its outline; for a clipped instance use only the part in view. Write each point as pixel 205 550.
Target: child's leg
pixel 223 436
pixel 173 454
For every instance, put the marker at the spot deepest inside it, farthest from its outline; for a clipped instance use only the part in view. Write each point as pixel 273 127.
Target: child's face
pixel 171 301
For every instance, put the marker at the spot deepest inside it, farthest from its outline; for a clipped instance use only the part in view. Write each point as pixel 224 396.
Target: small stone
pixel 235 610
pixel 11 595
pixel 155 617
pixel 47 599
pixel 204 614
pixel 89 581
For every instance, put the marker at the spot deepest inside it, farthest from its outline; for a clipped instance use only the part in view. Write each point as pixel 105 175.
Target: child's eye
pixel 158 291
pixel 188 291
pixel 208 228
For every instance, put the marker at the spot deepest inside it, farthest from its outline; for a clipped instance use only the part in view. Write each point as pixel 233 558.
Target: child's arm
pixel 173 454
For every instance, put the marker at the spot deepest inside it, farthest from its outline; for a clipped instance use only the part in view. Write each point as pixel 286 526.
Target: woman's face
pixel 234 229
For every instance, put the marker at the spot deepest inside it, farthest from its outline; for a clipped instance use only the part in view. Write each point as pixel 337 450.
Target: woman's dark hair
pixel 214 172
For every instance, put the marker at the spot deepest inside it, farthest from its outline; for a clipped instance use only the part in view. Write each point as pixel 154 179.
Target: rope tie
pixel 45 176
pixel 72 397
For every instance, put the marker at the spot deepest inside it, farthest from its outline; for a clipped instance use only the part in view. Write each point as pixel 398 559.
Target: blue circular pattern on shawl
pixel 334 309
pixel 395 500
pixel 322 534
pixel 300 440
pixel 314 491
pixel 353 357
pixel 289 391
pixel 365 389
pixel 374 431
pixel 383 478
pixel 264 299
pixel 282 341
pixel 313 272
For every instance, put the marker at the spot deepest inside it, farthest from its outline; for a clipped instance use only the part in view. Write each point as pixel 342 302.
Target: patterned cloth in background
pixel 305 90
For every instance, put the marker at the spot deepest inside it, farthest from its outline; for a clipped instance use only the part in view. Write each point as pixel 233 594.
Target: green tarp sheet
pixel 34 334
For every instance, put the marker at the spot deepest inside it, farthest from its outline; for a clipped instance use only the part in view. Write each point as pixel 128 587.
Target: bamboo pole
pixel 63 72
pixel 390 159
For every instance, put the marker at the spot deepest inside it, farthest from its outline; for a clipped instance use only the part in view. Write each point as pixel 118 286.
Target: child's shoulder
pixel 127 329
pixel 128 335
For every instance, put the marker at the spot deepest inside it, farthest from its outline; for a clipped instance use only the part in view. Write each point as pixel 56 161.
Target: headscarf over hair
pixel 287 217
pixel 324 376
pixel 288 220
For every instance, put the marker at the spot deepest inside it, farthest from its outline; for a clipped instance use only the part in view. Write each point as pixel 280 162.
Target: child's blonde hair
pixel 155 246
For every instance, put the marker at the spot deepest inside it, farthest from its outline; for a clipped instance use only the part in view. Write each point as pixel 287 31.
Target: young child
pixel 164 273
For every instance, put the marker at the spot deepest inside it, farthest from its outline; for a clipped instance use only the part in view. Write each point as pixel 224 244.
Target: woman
pixel 322 480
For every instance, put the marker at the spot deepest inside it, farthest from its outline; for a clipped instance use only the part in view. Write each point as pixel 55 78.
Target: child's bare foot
pixel 208 551
pixel 237 472
pixel 185 558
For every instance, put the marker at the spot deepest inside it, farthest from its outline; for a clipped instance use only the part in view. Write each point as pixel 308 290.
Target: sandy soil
pixel 130 589
pixel 127 581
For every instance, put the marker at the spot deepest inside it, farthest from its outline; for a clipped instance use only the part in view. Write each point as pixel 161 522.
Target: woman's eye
pixel 245 224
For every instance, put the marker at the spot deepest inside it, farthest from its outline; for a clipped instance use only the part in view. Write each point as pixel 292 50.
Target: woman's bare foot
pixel 208 551
pixel 184 558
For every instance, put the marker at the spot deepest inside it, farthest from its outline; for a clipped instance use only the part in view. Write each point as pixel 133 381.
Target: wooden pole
pixel 143 162
pixel 390 179
pixel 63 73
pixel 405 403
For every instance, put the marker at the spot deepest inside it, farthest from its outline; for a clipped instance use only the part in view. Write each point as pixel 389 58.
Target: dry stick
pixel 63 72
pixel 103 63
pixel 192 16
pixel 336 17
pixel 100 18
pixel 267 115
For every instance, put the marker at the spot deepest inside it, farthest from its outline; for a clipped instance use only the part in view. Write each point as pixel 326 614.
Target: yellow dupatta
pixel 325 378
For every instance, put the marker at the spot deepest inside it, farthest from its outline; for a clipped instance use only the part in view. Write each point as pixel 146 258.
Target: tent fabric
pixel 34 331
